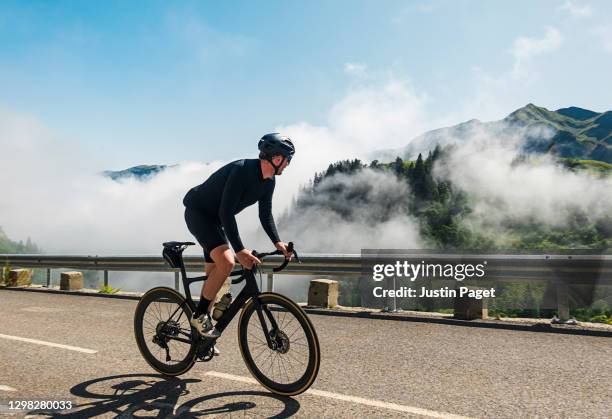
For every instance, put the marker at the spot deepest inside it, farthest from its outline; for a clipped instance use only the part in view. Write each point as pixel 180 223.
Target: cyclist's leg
pixel 209 268
pixel 219 260
pixel 223 259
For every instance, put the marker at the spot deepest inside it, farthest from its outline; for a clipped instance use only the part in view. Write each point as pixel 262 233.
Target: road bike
pixel 276 338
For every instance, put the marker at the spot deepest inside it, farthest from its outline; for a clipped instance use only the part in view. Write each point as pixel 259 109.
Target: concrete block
pixel 323 293
pixel 71 281
pixel 19 277
pixel 467 308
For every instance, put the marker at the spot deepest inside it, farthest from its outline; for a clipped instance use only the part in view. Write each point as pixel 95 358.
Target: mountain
pixel 568 133
pixel 142 172
pixel 577 113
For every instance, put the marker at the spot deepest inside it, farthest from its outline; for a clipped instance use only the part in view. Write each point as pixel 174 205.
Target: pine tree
pixel 398 166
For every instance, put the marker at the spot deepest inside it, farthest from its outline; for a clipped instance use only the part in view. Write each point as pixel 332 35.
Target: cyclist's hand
pixel 282 246
pixel 246 259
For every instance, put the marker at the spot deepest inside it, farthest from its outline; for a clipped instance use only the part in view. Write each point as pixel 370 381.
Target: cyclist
pixel 210 210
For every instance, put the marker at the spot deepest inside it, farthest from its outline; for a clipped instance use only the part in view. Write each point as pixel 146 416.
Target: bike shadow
pixel 156 396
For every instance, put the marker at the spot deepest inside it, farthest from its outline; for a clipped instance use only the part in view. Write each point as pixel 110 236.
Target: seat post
pixel 183 270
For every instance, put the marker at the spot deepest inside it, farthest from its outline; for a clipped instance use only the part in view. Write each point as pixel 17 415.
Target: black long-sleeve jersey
pixel 231 189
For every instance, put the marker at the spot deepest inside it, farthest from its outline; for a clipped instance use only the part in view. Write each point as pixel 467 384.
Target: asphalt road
pixel 370 368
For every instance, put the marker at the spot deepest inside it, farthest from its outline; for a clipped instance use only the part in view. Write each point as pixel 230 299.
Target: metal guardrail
pixel 564 269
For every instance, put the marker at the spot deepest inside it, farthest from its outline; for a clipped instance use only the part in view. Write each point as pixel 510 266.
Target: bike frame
pixel 250 290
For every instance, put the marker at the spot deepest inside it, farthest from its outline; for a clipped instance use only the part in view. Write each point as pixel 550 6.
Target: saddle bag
pixel 173 257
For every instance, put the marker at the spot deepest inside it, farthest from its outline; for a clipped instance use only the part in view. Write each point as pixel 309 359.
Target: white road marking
pixel 6 388
pixel 55 345
pixel 352 399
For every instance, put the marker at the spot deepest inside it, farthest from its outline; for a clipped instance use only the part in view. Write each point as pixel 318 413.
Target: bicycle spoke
pixel 155 310
pixel 265 361
pixel 289 321
pixel 261 352
pixel 265 350
pixel 282 362
pixel 294 331
pixel 169 308
pixel 259 339
pixel 295 359
pixel 290 366
pixel 159 311
pixel 257 325
pixel 149 330
pixel 283 320
pixel 149 323
pixel 272 358
pixel 278 362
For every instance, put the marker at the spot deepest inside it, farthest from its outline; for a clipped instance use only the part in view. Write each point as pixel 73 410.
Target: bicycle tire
pixel 144 340
pixel 253 360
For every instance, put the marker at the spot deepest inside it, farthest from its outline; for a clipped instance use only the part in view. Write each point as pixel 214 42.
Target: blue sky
pixel 145 82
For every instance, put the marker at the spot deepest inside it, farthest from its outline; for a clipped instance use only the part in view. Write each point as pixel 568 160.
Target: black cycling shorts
pixel 206 229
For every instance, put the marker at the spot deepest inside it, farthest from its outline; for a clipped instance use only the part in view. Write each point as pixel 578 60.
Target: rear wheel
pixel 163 333
pixel 291 364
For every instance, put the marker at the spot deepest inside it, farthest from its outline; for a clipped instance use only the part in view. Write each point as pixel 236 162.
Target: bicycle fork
pixel 272 344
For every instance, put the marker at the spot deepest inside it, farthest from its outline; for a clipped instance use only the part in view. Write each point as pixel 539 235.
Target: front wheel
pixel 289 364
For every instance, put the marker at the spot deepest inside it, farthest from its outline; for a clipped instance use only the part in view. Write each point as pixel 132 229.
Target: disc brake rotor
pixel 282 341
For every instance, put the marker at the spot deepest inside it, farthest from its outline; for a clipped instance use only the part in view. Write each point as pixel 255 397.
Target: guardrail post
pixel 562 300
pixel 391 302
pixel 176 281
pixel 106 278
pixel 394 297
pixel 48 278
pixel 270 284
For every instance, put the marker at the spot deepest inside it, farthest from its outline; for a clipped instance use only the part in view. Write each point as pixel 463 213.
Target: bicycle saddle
pixel 171 245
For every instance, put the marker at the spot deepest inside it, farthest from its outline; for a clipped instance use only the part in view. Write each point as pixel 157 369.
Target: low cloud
pixel 576 9
pixel 351 212
pixel 526 48
pixel 494 96
pixel 604 35
pixel 357 70
pixel 53 194
pixel 503 185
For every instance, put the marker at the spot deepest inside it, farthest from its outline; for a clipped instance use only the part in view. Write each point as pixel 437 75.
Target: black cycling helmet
pixel 275 144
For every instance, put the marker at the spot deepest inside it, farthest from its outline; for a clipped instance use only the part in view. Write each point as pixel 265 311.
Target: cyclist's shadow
pixel 132 395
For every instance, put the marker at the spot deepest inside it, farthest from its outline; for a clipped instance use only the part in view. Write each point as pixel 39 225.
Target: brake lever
pixel 292 250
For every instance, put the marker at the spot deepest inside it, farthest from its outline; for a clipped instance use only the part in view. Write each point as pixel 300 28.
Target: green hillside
pixel 442 209
pixel 9 246
pixel 579 133
pixel 566 133
pixel 593 166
